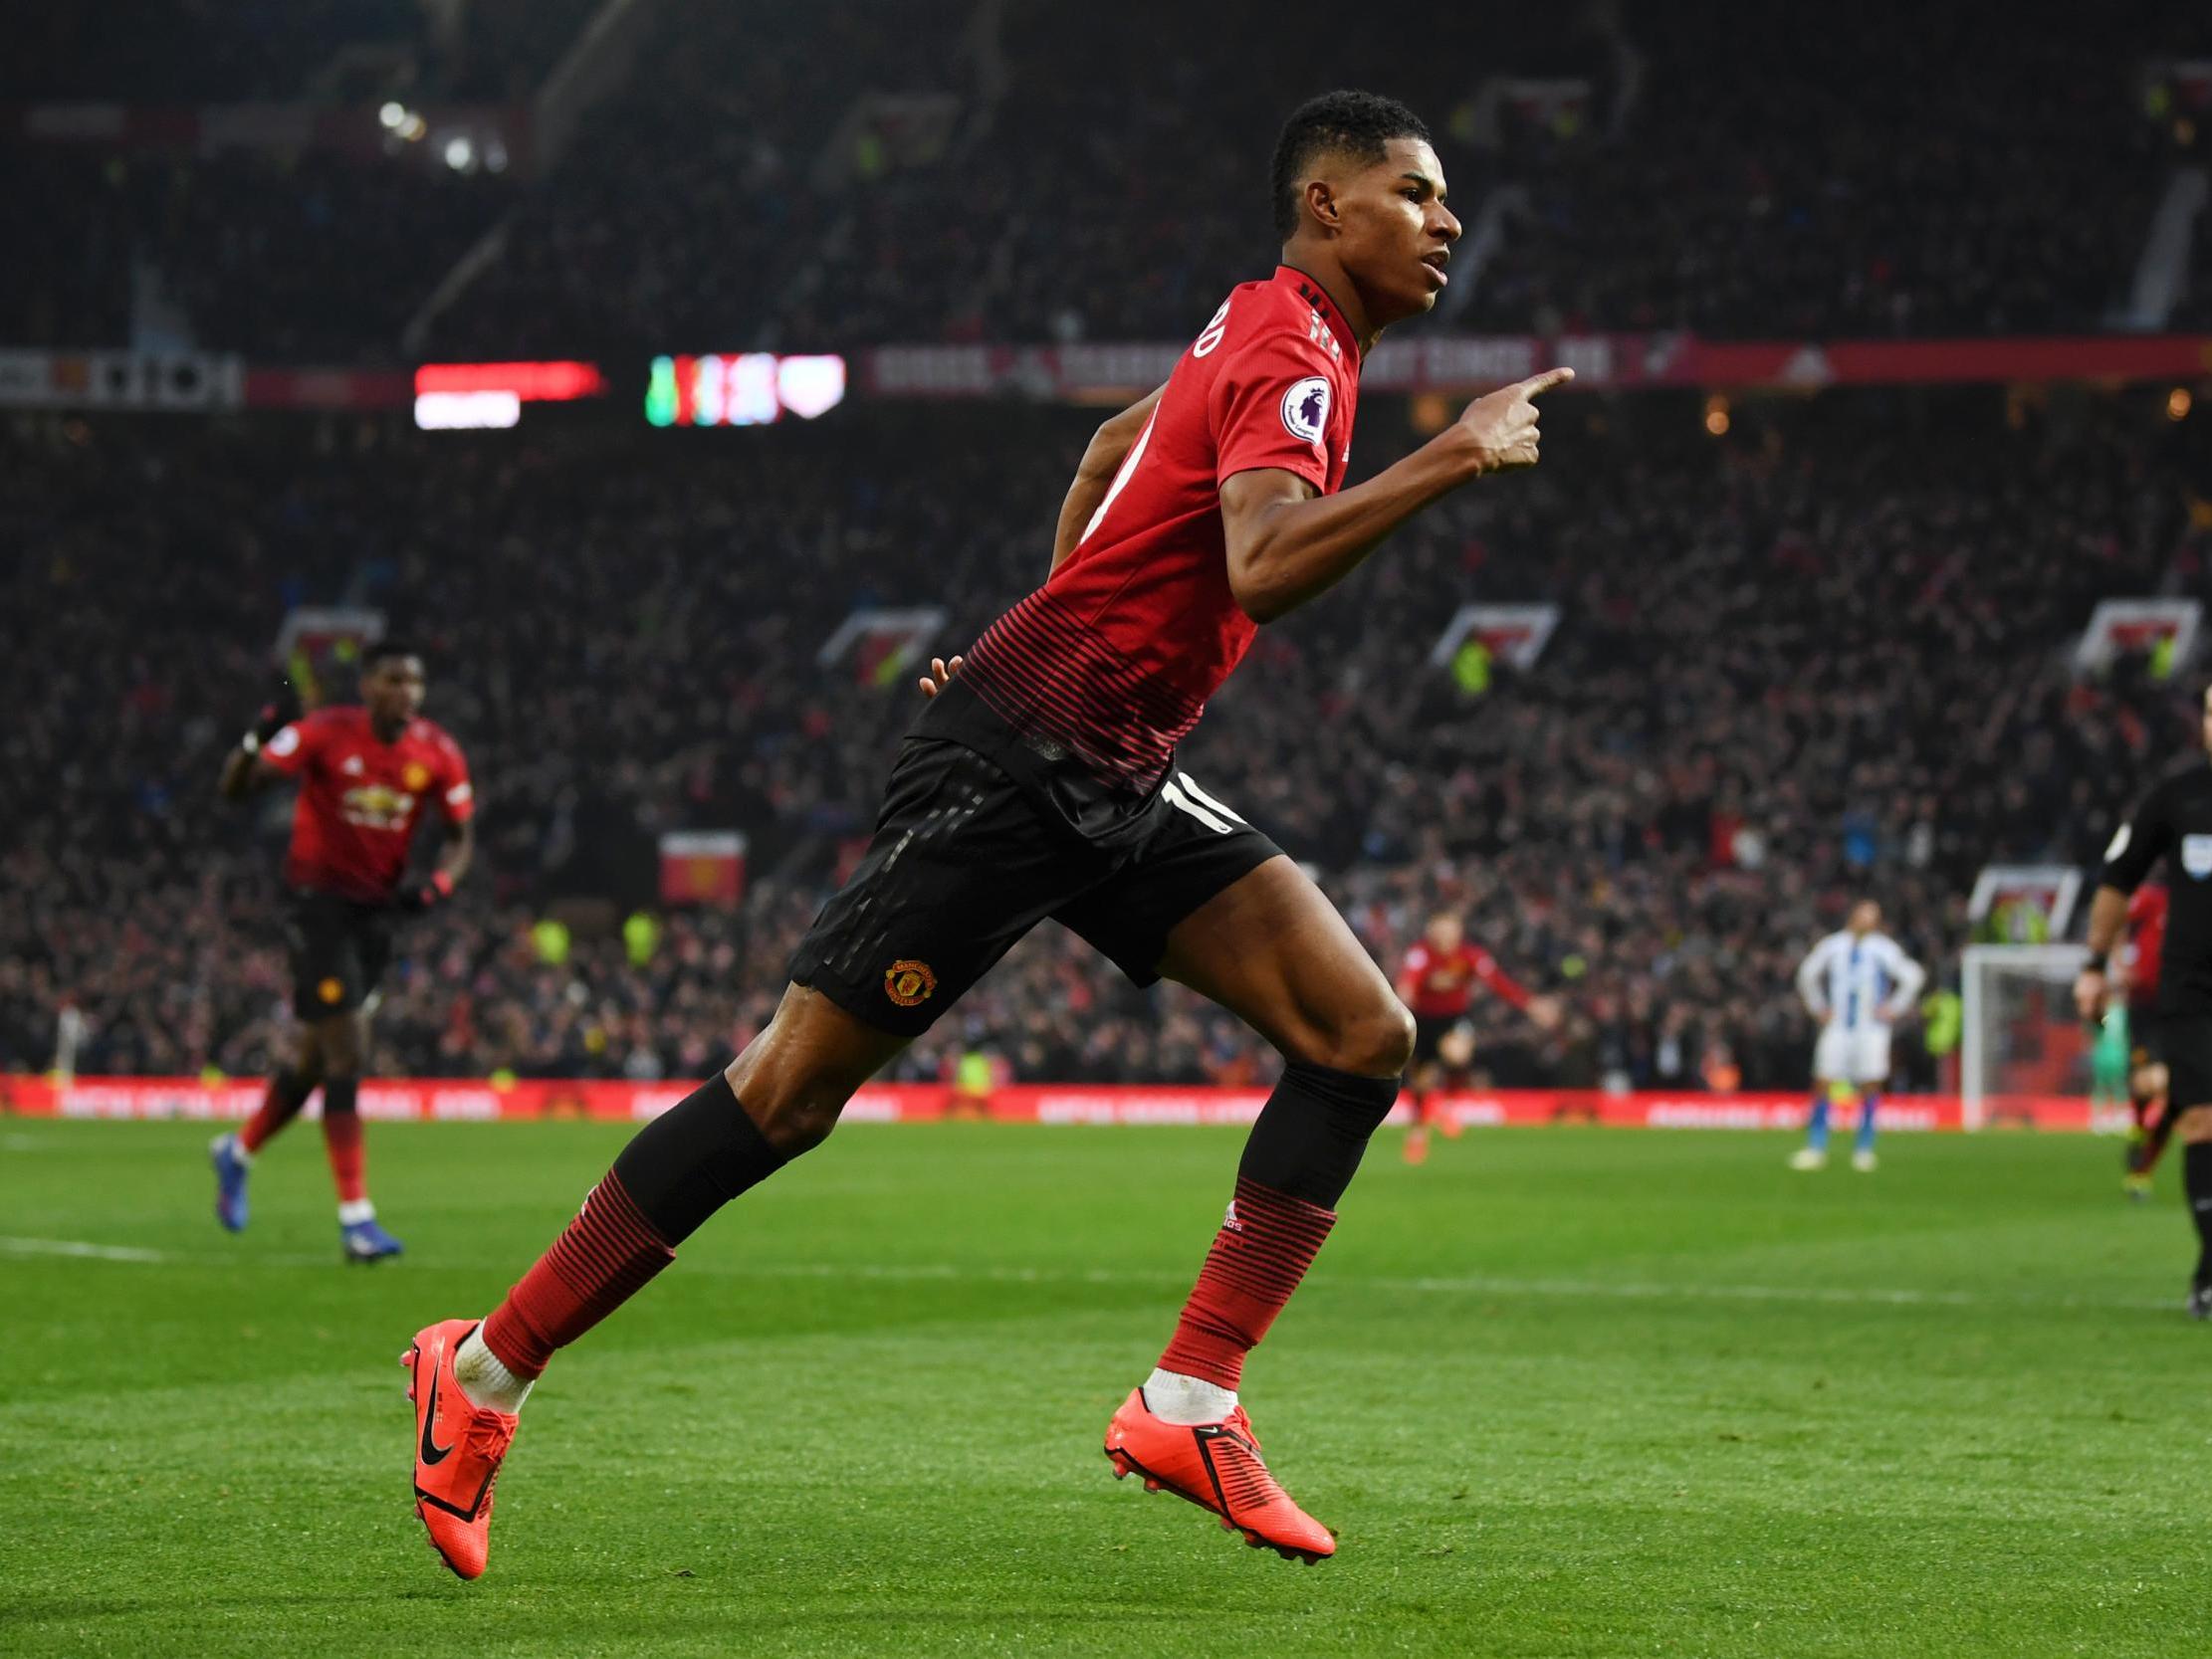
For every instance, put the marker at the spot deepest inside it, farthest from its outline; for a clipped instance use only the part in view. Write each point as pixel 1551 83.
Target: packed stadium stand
pixel 179 52
pixel 1823 655
pixel 668 384
pixel 985 172
pixel 1810 649
pixel 1724 172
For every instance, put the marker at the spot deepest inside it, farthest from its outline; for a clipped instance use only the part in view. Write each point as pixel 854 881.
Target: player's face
pixel 1445 932
pixel 1395 233
pixel 1866 916
pixel 393 689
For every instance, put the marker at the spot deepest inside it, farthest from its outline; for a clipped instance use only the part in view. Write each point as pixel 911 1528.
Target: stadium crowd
pixel 1728 173
pixel 992 172
pixel 1798 214
pixel 1820 656
pixel 189 51
pixel 313 258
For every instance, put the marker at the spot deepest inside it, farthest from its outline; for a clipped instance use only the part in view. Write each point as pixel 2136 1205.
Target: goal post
pixel 2022 1038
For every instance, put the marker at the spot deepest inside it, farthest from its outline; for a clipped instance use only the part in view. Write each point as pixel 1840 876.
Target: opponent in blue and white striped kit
pixel 1857 982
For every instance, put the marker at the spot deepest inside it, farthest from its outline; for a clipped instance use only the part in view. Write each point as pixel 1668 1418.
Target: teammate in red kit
pixel 2146 1066
pixel 1437 982
pixel 1040 780
pixel 366 774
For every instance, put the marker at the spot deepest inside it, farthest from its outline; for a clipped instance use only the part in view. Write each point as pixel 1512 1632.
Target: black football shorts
pixel 1429 1031
pixel 973 849
pixel 2184 1042
pixel 339 950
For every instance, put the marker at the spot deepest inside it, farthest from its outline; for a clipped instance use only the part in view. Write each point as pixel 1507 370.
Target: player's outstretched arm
pixel 1094 474
pixel 458 853
pixel 244 769
pixel 1911 980
pixel 453 862
pixel 2136 846
pixel 236 781
pixel 1286 544
pixel 2108 915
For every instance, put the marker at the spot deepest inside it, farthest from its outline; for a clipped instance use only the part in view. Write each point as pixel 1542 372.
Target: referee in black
pixel 2175 822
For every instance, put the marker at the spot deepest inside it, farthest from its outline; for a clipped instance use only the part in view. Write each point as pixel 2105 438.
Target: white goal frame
pixel 2053 960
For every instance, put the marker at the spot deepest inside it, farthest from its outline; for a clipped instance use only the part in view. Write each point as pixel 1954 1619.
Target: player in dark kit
pixel 365 774
pixel 1437 982
pixel 2146 941
pixel 2173 823
pixel 1040 780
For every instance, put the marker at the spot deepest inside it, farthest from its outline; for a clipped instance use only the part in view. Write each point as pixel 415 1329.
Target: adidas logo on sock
pixel 1229 1222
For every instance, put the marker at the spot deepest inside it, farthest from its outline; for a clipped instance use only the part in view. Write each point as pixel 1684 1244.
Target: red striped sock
pixel 606 1255
pixel 342 1140
pixel 287 1094
pixel 1263 1249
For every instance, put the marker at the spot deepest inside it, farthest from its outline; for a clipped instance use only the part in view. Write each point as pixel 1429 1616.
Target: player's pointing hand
pixel 1501 425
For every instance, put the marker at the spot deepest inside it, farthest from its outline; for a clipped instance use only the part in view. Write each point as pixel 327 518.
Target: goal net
pixel 2023 1041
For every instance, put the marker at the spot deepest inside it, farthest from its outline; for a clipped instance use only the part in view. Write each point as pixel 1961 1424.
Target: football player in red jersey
pixel 366 774
pixel 2146 1066
pixel 1437 982
pixel 1041 781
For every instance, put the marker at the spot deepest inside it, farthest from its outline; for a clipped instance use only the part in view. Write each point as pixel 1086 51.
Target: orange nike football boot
pixel 1217 1467
pixel 458 1448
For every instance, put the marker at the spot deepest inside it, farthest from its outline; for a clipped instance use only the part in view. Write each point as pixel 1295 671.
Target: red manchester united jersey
pixel 1441 983
pixel 2146 944
pixel 361 797
pixel 1114 656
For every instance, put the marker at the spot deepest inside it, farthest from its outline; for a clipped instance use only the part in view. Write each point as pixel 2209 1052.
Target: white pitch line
pixel 1613 1290
pixel 1620 1290
pixel 75 1249
pixel 79 1248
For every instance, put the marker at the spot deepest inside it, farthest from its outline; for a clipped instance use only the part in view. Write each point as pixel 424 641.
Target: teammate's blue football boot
pixel 366 1241
pixel 230 1170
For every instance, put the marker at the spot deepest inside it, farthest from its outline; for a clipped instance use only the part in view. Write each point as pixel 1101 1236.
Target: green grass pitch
pixel 1562 1392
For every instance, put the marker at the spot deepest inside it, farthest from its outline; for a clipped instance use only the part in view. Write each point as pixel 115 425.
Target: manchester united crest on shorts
pixel 909 982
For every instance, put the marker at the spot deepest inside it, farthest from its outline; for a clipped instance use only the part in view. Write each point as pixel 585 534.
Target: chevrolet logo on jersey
pixel 377 806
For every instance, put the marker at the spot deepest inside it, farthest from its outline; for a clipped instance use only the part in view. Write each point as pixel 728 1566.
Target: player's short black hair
pixel 1359 125
pixel 385 649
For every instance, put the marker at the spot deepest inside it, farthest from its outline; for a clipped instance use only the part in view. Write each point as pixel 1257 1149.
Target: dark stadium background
pixel 1884 320
pixel 625 354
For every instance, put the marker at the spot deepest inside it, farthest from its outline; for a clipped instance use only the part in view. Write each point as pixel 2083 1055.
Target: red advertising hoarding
pixel 538 1099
